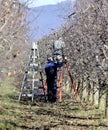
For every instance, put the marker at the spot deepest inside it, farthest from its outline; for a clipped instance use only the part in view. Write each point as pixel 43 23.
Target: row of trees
pixel 87 42
pixel 86 38
pixel 13 36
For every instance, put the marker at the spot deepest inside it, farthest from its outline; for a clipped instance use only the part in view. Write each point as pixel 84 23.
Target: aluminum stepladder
pixel 32 84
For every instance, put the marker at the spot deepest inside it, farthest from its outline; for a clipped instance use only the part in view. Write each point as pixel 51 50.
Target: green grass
pixel 8 105
pixel 17 116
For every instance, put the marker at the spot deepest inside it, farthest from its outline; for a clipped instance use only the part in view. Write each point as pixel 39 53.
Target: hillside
pixel 46 19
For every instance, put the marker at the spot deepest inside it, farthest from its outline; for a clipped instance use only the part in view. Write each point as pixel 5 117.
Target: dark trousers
pixel 51 90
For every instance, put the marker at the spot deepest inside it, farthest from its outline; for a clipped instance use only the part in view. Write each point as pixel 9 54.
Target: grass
pixel 8 105
pixel 16 116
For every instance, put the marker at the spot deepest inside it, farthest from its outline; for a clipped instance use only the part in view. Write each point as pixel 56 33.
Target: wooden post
pixel 88 90
pixel 106 105
pixel 82 86
pixel 78 86
pixel 72 82
pixel 60 85
pixel 93 92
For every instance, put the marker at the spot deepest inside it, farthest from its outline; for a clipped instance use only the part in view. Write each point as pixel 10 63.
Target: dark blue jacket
pixel 51 70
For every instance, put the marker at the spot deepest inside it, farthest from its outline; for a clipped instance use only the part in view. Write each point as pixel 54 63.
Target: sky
pixel 37 3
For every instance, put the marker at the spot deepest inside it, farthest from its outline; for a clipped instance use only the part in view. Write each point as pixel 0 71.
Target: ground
pixel 70 114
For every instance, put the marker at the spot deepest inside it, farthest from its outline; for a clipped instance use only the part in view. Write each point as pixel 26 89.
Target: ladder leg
pixel 73 84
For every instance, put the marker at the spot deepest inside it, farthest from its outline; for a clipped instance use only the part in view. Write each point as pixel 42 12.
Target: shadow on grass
pixel 12 97
pixel 28 101
pixel 8 125
pixel 63 119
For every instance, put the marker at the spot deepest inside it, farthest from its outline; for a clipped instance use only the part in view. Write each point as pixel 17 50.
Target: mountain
pixel 45 19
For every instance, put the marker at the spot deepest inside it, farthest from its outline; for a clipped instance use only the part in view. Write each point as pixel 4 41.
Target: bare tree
pixel 13 38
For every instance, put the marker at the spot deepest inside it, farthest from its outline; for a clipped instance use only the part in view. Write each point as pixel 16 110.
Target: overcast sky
pixel 36 3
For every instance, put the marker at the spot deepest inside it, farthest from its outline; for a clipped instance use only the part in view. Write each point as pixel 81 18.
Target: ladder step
pixel 27 95
pixel 35 80
pixel 36 65
pixel 30 88
pixel 31 72
pixel 39 94
pixel 30 95
pixel 40 87
pixel 34 57
pixel 27 87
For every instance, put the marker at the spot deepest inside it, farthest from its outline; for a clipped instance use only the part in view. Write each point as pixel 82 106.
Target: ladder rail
pixel 24 78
